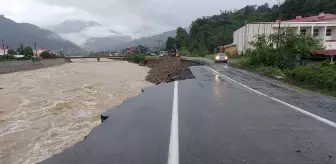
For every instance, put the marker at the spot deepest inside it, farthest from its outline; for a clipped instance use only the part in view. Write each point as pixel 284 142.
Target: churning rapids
pixel 45 111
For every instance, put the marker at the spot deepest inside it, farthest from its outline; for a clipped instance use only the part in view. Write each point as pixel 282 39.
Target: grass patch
pixel 264 70
pixel 320 77
pixel 151 57
pixel 210 56
pixel 270 71
pixel 316 78
pixel 135 58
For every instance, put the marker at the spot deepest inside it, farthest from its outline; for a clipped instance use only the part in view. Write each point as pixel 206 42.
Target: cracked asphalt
pixel 219 121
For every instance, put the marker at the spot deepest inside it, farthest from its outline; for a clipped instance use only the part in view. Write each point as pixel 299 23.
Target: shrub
pixel 321 77
pixel 280 50
pixel 325 64
pixel 136 58
pixel 184 52
pixel 47 55
pixel 6 57
pixel 36 59
pixel 232 55
pixel 270 71
pixel 245 62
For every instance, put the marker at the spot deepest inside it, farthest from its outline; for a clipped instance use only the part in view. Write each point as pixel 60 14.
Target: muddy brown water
pixel 45 111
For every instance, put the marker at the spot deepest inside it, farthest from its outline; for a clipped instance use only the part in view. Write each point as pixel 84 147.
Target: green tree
pixel 207 33
pixel 281 50
pixel 170 43
pixel 28 51
pixel 142 49
pixel 11 52
pixel 20 50
pixel 182 37
pixel 47 55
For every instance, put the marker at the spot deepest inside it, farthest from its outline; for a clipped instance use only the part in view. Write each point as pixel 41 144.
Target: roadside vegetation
pixel 26 52
pixel 136 58
pixel 139 57
pixel 286 56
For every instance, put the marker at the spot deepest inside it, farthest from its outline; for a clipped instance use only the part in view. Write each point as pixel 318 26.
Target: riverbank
pixel 26 65
pixel 45 111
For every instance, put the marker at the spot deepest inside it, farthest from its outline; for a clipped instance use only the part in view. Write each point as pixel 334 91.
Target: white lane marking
pixel 321 119
pixel 174 137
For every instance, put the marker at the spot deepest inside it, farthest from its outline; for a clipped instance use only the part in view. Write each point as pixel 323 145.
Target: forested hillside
pixel 209 32
pixel 14 34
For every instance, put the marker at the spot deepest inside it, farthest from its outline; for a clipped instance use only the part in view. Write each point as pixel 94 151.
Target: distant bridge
pixel 68 58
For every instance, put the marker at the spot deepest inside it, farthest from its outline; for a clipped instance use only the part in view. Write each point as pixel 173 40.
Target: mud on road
pixel 171 69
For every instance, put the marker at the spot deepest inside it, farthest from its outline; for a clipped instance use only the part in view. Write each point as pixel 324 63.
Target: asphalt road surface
pixel 221 116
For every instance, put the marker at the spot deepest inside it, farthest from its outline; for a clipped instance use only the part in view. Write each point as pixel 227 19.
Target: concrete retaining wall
pixel 23 65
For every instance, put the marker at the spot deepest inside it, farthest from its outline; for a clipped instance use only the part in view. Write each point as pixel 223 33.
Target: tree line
pixel 207 33
pixel 27 53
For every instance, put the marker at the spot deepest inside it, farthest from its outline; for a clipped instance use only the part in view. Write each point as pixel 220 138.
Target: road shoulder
pixel 321 105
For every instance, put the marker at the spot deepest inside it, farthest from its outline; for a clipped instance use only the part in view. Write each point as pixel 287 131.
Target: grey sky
pixel 132 17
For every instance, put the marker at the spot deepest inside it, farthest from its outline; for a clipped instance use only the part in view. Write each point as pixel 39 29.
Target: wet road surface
pixel 219 121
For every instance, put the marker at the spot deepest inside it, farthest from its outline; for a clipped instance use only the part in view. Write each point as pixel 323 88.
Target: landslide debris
pixel 170 69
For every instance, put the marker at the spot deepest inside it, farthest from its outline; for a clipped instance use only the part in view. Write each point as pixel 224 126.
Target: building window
pixel 316 32
pixel 303 31
pixel 328 32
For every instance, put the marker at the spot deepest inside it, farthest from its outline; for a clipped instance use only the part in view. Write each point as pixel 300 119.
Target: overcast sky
pixel 132 17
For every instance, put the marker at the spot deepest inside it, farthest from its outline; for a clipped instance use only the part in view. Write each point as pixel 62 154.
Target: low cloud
pixel 131 17
pixel 79 38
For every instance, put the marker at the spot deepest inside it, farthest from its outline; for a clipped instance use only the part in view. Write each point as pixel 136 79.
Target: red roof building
pixel 317 18
pixel 132 49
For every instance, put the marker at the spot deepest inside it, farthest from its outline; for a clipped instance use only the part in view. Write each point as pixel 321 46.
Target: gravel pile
pixel 170 69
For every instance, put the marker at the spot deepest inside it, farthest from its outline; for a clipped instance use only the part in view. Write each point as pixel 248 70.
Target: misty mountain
pixel 89 35
pixel 151 42
pixel 105 43
pixel 93 36
pixel 73 26
pixel 15 34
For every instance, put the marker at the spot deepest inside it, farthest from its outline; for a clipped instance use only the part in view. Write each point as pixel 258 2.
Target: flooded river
pixel 45 111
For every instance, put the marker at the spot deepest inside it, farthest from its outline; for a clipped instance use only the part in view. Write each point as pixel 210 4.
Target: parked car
pixel 221 58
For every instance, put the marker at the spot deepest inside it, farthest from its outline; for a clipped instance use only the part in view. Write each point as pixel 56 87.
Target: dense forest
pixel 209 32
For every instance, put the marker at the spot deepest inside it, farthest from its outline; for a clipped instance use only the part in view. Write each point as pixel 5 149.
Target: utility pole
pixel 4 51
pixel 35 50
pixel 280 2
pixel 245 35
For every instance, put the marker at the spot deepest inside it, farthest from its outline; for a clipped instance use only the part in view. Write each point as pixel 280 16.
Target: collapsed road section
pixel 218 121
pixel 135 132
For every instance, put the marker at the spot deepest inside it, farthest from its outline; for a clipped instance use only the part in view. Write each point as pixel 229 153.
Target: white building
pixel 3 51
pixel 322 26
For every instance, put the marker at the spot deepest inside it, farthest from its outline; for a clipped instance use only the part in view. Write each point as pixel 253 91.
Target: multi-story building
pixel 322 26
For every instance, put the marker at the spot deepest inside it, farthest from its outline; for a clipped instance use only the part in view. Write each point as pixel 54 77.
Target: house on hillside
pixel 132 50
pixel 3 51
pixel 322 26
pixel 39 51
